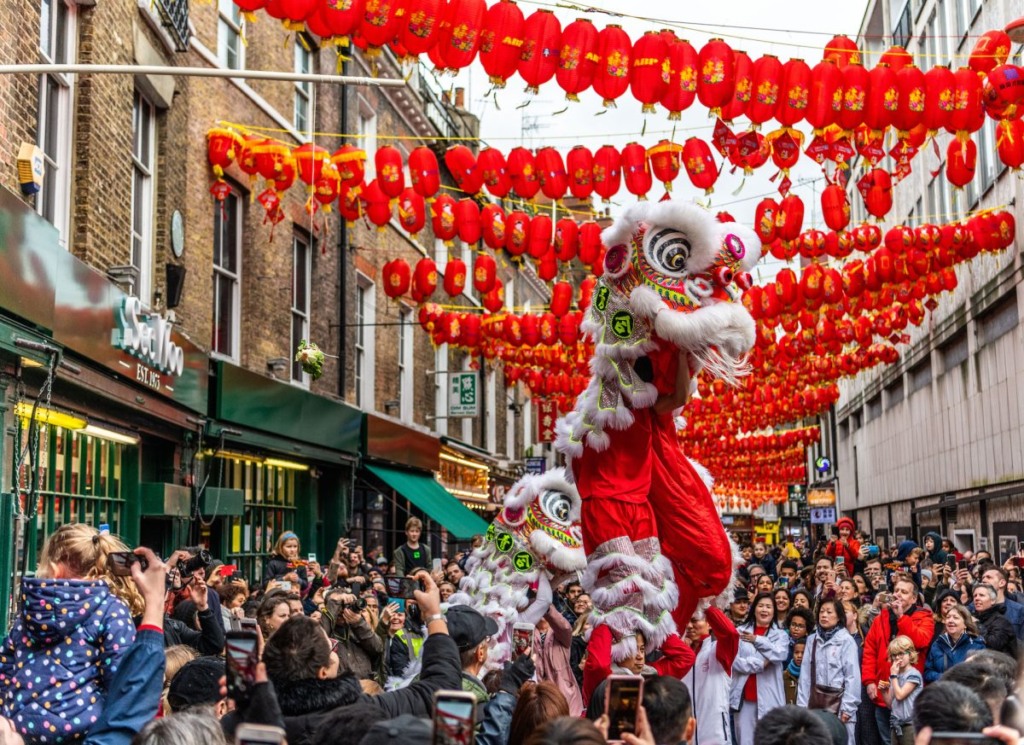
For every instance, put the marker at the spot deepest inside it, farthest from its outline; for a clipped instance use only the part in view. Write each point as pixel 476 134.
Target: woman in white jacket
pixel 757 672
pixel 836 663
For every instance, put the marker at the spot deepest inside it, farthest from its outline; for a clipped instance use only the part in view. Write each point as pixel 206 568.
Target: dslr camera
pixel 201 559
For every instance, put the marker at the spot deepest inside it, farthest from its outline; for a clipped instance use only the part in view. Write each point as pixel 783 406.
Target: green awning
pixel 434 500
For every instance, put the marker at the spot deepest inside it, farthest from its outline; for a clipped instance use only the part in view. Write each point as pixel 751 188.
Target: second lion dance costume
pixel 654 541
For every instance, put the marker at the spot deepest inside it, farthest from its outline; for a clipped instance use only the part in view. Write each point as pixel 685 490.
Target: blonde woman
pixel 957 641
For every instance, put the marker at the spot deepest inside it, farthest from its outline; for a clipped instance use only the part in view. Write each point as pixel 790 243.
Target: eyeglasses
pixel 898 654
pixel 334 646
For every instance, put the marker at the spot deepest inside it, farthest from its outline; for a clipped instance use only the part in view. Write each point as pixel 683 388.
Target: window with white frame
pixel 467 421
pixel 510 424
pixel 227 270
pixel 527 424
pixel 57 45
pixel 302 255
pixel 965 13
pixel 405 365
pixel 303 88
pixel 368 137
pixel 366 315
pixel 230 49
pixel 491 413
pixel 143 146
pixel 988 161
pixel 441 389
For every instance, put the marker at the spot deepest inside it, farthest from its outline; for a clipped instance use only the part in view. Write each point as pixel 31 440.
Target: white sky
pixel 754 26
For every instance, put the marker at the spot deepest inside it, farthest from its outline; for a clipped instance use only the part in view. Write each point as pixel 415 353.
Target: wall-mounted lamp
pixel 277 365
pixel 53 417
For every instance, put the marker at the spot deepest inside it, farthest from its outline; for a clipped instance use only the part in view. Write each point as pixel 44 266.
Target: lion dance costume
pixel 655 544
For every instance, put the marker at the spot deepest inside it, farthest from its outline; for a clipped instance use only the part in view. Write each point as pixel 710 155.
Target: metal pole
pixel 199 72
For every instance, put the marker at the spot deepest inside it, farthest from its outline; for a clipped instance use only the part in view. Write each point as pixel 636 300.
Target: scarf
pixel 793 669
pixel 826 634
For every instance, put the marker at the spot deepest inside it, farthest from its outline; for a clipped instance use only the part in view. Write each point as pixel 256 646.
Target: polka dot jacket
pixel 60 657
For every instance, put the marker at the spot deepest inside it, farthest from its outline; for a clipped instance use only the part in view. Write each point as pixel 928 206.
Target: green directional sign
pixel 463 394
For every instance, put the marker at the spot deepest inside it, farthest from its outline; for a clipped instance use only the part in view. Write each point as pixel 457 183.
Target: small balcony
pixel 174 16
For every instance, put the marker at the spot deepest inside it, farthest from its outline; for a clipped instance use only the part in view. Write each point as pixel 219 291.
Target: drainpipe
pixel 343 258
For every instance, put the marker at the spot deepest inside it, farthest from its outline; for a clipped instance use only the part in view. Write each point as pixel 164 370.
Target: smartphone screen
pixel 240 652
pixel 840 561
pixel 400 587
pixel 258 734
pixel 623 701
pixel 522 638
pixel 310 558
pixel 962 564
pixel 454 719
pixel 284 585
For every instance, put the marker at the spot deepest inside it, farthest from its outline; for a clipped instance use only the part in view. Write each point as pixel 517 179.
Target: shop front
pixel 468 473
pixel 100 401
pixel 274 457
pixel 400 478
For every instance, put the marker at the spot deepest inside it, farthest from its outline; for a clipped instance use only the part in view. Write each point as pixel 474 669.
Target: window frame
pixel 368 138
pixel 365 358
pixel 303 90
pixel 143 174
pixel 230 23
pixel 220 212
pixel 300 315
pixel 406 365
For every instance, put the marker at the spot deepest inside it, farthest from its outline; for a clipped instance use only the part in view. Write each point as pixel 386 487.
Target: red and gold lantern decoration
pixel 495 299
pixel 310 160
pixel 961 161
pixel 538 244
pixel 485 273
pixel 577 58
pixel 459 37
pixel 412 211
pixel 579 165
pixel 968 114
pixel 561 298
pixel 397 278
pixel 700 164
pixel 715 79
pixel 825 100
pixel 990 50
pixel 424 278
pixel 517 232
pixel 542 34
pixel 842 50
pixel 856 81
pixel 494 171
pixel 939 85
pixel 743 70
pixel 614 50
pixel 419 25
pixel 882 99
pixel 590 243
pixel 1010 142
pixel 350 160
pixel 649 70
pixel 442 218
pixel 341 18
pixel 835 207
pixel 607 172
pixel 909 113
pixel 551 173
pixel 501 41
pixel 467 220
pixel 455 277
pixel 522 168
pixel 390 173
pixel 876 189
pixel 764 96
pixel 635 170
pixel 492 223
pixel 463 166
pixel 377 204
pixel 789 220
pixel 896 57
pixel 222 147
pixel 666 160
pixel 794 92
pixel 682 87
pixel 424 172
pixel 764 219
pixel 379 25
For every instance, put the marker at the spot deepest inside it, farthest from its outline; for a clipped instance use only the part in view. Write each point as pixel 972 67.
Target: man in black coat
pixel 996 629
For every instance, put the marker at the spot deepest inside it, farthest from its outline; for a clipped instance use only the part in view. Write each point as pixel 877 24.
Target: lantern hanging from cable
pixel 566 239
pixel 522 168
pixel 463 166
pixel 939 84
pixel 494 300
pixel 390 173
pixel 551 173
pixel 517 232
pixel 789 220
pixel 501 41
pixel 467 220
pixel 577 58
pixel 794 92
pixel 377 205
pixel 424 172
pixel 607 172
pixel 459 37
pixel 379 24
pixel 967 115
pixel 442 218
pixel 961 161
pixel 485 272
pixel 547 267
pixel 743 70
pixel 579 165
pixel 876 189
pixel 682 87
pixel 765 79
pixel 715 79
pixel 590 243
pixel 1010 143
pixel 492 224
pixel 350 159
pixel 896 57
pixel 341 17
pixel 561 298
pixel 420 24
pixel 222 147
pixel 666 161
pixel 649 70
pixel 542 34
pixel 310 160
pixel 990 50
pixel 494 171
pixel 614 50
pixel 910 82
pixel 882 99
pixel 835 207
pixel 349 204
pixel 764 220
pixel 635 170
pixel 539 237
pixel 412 211
pixel 856 81
pixel 397 277
pixel 294 11
pixel 455 277
pixel 826 95
pixel 326 188
pixel 700 164
pixel 843 50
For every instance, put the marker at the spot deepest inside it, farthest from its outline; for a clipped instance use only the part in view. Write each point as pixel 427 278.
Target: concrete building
pixel 936 442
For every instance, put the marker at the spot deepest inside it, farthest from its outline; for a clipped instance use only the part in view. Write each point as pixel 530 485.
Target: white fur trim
pixel 646 302
pixel 621 231
pixel 703 473
pixel 750 242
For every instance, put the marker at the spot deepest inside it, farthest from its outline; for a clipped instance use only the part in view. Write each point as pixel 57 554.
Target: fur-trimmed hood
pixel 313 695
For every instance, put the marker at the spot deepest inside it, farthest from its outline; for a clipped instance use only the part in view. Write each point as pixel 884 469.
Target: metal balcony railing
pixel 174 15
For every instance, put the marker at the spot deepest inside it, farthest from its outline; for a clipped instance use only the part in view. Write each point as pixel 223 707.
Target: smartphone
pixel 522 638
pixel 454 718
pixel 784 582
pixel 285 585
pixel 622 700
pixel 121 563
pixel 258 734
pixel 962 564
pixel 840 561
pixel 400 602
pixel 401 587
pixel 247 623
pixel 951 563
pixel 963 738
pixel 310 558
pixel 241 658
pixel 436 564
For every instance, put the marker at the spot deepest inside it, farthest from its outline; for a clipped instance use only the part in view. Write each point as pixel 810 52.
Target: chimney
pixel 460 98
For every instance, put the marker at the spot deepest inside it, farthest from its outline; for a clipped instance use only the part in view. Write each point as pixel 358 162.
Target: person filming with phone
pixel 845 546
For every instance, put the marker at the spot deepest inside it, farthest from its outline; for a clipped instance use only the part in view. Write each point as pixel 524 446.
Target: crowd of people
pixel 833 642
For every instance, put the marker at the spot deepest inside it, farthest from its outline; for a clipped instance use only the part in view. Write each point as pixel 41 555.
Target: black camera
pixel 201 560
pixel 358 606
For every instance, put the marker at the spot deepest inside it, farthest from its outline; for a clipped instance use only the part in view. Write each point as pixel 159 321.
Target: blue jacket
pixel 134 695
pixel 943 654
pixel 58 662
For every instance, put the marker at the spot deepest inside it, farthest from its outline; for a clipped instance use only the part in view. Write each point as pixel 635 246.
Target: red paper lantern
pixel 501 41
pixel 424 278
pixel 715 79
pixel 494 171
pixel 495 299
pixel 291 10
pixel 614 50
pixel 876 189
pixel 424 172
pixel 1010 142
pixel 342 17
pixel 442 218
pixel 939 83
pixel 492 220
pixel 968 114
pixel 856 81
pixel 561 298
pixel 577 58
pixel 310 160
pixel 380 24
pixel 649 70
pixel 700 164
pixel 390 173
pixel 459 37
pixel 682 87
pixel 412 211
pixel 794 92
pixel 764 89
pixel 991 49
pixel 485 272
pixel 397 278
pixel 377 204
pixel 789 220
pixel 542 34
pixel 566 239
pixel 349 204
pixel 580 167
pixel 910 82
pixel 517 232
pixel 547 267
pixel 743 71
pixel 222 147
pixel 666 161
pixel 551 173
pixel 419 25
pixel 635 171
pixel 349 160
pixel 590 243
pixel 825 99
pixel 842 50
pixel 538 243
pixel 467 220
pixel 764 220
pixel 522 167
pixel 785 149
pixel 455 277
pixel 835 207
pixel 883 98
pixel 961 161
pixel 607 172
pixel 896 57
pixel 463 166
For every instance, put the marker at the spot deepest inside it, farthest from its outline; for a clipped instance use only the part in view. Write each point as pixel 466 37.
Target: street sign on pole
pixel 463 397
pixel 535 466
pixel 823 515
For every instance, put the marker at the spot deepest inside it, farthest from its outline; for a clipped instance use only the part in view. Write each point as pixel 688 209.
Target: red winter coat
pixel 849 552
pixel 875 666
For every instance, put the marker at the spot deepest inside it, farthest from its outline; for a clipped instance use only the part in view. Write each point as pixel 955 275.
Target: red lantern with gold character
pixel 424 172
pixel 522 167
pixel 961 161
pixel 459 37
pixel 377 204
pixel 794 92
pixel 492 223
pixel 412 212
pixel 579 164
pixel 542 35
pixel 666 160
pixel 310 160
pixel 390 173
pixel 1010 142
pixel 397 277
pixel 342 17
pixel 991 49
pixel 826 95
pixel 843 50
pixel 551 173
pixel 968 114
pixel 682 86
pixel 494 170
pixel 909 112
pixel 350 159
pixel 222 147
pixel 577 58
pixel 614 50
pixel 467 218
pixel 715 79
pixel 501 41
pixel 764 89
pixel 835 207
pixel 896 57
pixel 419 25
pixel 349 204
pixel 517 233
pixel 939 84
pixel 566 239
pixel 464 169
pixel 380 24
pixel 424 278
pixel 743 70
pixel 700 164
pixel 856 81
pixel 561 298
pixel 789 220
pixel 442 218
pixel 590 243
pixel 455 277
pixel 485 272
pixel 876 189
pixel 882 99
pixel 764 219
pixel 607 172
pixel 649 70
pixel 495 299
pixel 539 242
pixel 635 170
pixel 785 149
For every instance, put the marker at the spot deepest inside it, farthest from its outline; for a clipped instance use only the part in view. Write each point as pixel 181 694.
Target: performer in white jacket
pixel 757 672
pixel 831 659
pixel 716 643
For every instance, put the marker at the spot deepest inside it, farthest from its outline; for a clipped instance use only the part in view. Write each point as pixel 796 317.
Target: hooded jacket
pixel 938 556
pixel 61 656
pixel 997 630
pixel 943 654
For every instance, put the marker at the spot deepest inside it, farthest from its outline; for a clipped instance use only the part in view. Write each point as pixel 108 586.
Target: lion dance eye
pixel 556 506
pixel 669 251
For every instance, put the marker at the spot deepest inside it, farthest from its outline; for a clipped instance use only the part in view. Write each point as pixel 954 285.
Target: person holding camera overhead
pixel 359 648
pixel 188 573
pixel 285 564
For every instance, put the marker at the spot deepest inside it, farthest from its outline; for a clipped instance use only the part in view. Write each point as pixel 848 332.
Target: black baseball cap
pixel 196 684
pixel 406 728
pixel 468 627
